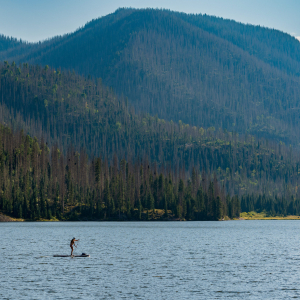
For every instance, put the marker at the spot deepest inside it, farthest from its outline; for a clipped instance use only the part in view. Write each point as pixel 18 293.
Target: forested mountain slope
pixel 68 110
pixel 273 47
pixel 7 43
pixel 38 183
pixel 202 70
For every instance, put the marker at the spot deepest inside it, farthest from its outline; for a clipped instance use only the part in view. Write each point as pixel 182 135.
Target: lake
pixel 151 260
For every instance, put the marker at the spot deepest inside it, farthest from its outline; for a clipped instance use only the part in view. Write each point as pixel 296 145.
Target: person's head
pixel 73 239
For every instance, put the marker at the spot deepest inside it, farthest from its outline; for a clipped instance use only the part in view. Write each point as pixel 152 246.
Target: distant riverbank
pixel 157 217
pixel 153 215
pixel 263 216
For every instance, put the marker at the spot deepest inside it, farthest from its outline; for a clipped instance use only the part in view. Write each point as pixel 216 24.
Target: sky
pixel 37 20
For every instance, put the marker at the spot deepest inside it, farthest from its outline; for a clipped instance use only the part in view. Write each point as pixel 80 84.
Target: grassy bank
pixel 264 216
pixel 156 215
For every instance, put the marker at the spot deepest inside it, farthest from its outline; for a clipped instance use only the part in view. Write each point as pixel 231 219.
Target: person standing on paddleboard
pixel 72 243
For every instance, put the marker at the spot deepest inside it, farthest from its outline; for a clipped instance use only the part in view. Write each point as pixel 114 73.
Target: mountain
pixel 73 113
pixel 202 70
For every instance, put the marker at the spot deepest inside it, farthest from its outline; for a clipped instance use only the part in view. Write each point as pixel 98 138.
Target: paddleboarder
pixel 72 243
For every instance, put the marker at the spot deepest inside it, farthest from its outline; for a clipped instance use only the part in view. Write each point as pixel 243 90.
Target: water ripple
pixel 155 260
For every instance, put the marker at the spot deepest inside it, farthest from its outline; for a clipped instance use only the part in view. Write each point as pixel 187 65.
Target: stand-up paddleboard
pixel 81 255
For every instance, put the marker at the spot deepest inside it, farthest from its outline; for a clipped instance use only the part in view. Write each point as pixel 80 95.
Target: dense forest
pixel 38 185
pixel 273 206
pixel 66 109
pixel 42 183
pixel 202 70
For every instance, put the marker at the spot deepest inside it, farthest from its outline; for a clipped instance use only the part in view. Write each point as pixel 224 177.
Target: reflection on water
pixel 151 260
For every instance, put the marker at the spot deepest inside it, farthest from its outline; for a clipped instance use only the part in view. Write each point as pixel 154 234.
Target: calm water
pixel 171 260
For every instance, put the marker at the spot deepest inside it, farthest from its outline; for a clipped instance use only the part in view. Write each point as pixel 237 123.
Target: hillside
pixel 37 183
pixel 72 112
pixel 202 70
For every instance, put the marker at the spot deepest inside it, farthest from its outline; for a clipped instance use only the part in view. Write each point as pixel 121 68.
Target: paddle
pixel 75 244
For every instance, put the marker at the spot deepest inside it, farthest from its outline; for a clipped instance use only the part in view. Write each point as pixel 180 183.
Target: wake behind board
pixel 81 255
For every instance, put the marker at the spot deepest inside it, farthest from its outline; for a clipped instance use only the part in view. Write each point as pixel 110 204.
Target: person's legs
pixel 71 250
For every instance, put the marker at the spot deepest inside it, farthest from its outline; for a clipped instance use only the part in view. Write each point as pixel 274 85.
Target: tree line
pixel 39 183
pixel 273 206
pixel 42 183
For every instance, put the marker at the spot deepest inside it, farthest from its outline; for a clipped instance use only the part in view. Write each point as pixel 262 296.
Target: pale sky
pixel 35 20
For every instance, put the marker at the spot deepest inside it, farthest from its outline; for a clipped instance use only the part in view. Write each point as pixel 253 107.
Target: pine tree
pixel 219 209
pixel 166 205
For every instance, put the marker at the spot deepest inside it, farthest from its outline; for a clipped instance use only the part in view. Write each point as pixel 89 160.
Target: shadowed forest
pixel 37 185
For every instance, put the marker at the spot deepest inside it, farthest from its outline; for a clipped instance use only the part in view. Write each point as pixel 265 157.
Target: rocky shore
pixel 4 218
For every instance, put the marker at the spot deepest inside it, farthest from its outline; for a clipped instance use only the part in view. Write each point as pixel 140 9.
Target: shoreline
pixel 243 217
